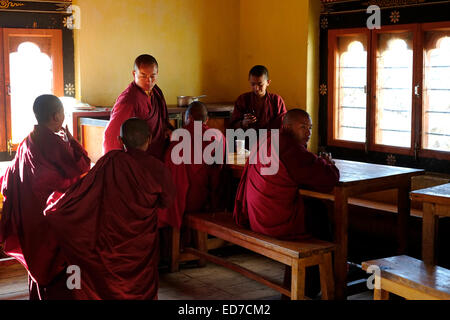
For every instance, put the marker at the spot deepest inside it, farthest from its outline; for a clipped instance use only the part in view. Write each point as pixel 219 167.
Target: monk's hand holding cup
pixel 248 120
pixel 327 157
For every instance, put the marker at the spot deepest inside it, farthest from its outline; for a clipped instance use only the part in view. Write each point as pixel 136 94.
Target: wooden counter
pixel 89 125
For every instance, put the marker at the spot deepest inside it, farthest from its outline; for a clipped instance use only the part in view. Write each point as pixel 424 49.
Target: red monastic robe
pixel 44 163
pixel 134 102
pixel 269 116
pixel 197 184
pixel 271 204
pixel 107 225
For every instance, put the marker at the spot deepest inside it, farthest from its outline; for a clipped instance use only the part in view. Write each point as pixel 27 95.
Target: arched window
pixel 394 90
pixel 32 66
pixel 31 75
pixel 436 95
pixel 352 78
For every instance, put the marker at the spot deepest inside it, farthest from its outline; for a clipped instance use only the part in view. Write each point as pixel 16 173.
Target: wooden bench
pixel 177 255
pixel 296 254
pixel 410 278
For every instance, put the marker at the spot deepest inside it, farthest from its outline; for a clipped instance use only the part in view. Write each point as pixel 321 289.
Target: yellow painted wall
pixel 283 36
pixel 202 46
pixel 194 42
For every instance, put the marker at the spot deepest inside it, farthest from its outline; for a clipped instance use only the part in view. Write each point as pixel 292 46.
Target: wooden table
pixel 436 203
pixel 357 178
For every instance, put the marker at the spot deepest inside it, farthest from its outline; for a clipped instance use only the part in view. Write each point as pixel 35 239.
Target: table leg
pixel 404 208
pixel 428 233
pixel 341 239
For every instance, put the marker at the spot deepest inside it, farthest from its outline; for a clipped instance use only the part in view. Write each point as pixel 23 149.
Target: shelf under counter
pixel 91 136
pixel 97 113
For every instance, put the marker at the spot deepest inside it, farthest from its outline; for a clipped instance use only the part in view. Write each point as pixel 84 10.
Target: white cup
pixel 240 146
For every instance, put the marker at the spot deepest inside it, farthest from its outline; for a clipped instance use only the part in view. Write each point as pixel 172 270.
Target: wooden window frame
pixel 373 84
pixel 332 104
pixel 415 149
pixel 432 26
pixel 3 93
pixel 55 36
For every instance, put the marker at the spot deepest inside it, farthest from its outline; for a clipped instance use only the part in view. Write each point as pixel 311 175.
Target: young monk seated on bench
pixel 198 184
pixel 107 222
pixel 271 204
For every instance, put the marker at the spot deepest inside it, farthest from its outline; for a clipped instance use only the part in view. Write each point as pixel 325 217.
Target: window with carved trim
pixel 436 91
pixel 348 71
pixel 32 66
pixel 390 89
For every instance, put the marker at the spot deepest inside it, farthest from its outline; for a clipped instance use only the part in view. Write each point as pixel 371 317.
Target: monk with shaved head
pixel 48 160
pixel 271 204
pixel 142 99
pixel 107 222
pixel 197 183
pixel 260 197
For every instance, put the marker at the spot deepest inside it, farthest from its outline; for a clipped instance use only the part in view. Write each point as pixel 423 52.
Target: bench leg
pixel 175 251
pixel 298 280
pixel 380 294
pixel 429 233
pixel 326 277
pixel 202 245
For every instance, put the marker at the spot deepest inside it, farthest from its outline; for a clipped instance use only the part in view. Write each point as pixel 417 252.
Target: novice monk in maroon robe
pixel 197 184
pixel 142 99
pixel 258 109
pixel 107 222
pixel 45 162
pixel 271 204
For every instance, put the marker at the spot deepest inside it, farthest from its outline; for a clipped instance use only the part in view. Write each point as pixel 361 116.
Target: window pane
pixel 394 89
pixel 31 75
pixel 351 80
pixel 436 94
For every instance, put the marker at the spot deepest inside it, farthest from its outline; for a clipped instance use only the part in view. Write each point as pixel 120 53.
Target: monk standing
pixel 258 109
pixel 107 222
pixel 142 99
pixel 45 163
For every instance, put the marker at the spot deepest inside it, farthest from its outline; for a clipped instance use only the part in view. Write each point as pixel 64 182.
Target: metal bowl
pixel 184 101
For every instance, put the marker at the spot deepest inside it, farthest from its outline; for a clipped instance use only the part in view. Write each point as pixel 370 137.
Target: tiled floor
pixel 211 282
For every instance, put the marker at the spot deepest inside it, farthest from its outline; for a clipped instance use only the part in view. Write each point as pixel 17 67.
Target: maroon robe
pixel 272 204
pixel 134 102
pixel 197 184
pixel 44 163
pixel 269 116
pixel 107 225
